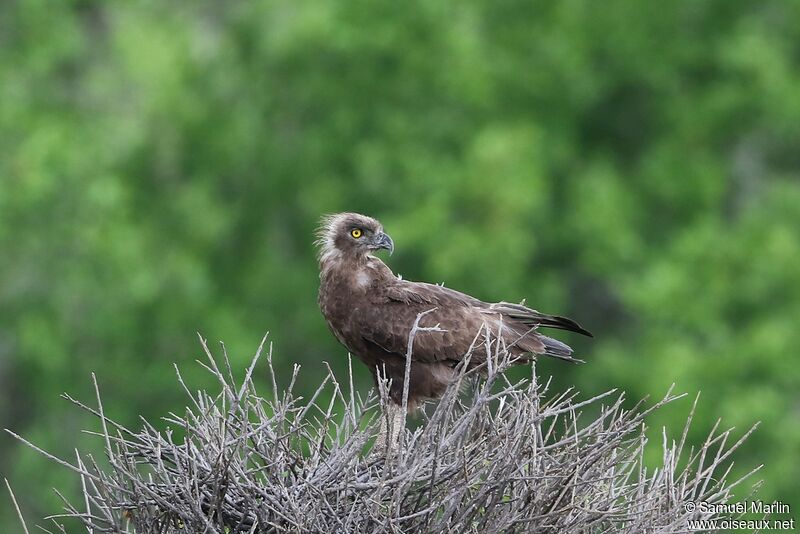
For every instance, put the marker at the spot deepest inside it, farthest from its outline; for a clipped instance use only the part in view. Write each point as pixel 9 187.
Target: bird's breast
pixel 362 279
pixel 341 302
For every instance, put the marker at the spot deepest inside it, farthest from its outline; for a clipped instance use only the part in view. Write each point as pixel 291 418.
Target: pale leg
pixel 390 429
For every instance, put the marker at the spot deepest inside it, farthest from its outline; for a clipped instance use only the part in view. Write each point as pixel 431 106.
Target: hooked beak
pixel 384 241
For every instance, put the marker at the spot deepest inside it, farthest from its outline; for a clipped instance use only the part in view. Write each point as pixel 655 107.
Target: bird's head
pixel 351 235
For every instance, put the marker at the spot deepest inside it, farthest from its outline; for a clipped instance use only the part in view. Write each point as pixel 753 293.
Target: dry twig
pixel 509 457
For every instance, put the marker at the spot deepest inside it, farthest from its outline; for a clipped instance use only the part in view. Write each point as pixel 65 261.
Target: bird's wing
pixel 461 322
pixel 454 320
pixel 412 292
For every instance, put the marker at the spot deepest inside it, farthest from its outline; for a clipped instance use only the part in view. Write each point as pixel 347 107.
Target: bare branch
pixel 507 456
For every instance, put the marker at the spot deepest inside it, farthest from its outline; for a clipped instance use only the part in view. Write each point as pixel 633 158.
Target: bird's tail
pixel 557 349
pixel 532 343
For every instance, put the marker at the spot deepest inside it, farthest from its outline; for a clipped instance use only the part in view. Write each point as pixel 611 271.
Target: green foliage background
pixel 163 165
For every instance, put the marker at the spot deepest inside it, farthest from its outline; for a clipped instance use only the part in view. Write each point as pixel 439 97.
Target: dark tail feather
pixel 531 317
pixel 563 323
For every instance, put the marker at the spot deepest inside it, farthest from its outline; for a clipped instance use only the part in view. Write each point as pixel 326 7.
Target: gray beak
pixel 384 241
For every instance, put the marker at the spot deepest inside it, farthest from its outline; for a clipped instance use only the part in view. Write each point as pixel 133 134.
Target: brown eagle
pixel 372 312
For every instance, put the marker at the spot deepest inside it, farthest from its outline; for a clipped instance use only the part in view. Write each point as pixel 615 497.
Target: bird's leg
pixel 392 425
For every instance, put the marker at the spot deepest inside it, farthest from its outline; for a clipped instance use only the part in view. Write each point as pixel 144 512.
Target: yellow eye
pixel 355 232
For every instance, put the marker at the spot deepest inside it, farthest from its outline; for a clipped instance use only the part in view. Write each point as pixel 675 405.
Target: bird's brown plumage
pixel 372 312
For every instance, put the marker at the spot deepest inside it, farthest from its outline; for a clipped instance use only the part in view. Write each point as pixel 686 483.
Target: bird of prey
pixel 372 312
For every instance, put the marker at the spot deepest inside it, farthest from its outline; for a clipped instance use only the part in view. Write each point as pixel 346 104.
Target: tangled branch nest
pixel 506 456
